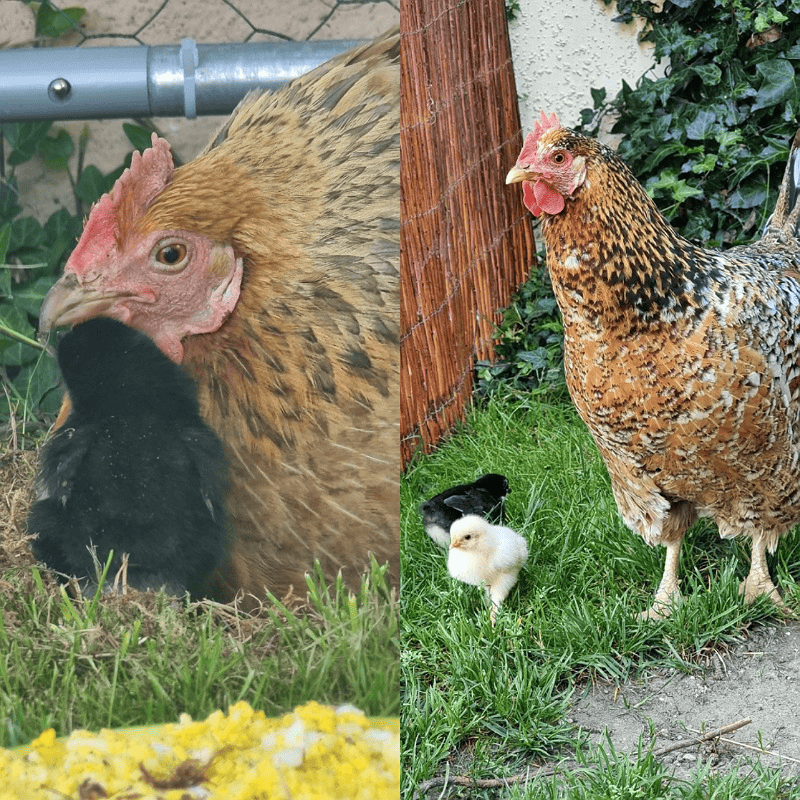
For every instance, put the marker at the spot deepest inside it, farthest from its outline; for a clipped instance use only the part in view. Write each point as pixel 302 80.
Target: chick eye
pixel 467 537
pixel 170 255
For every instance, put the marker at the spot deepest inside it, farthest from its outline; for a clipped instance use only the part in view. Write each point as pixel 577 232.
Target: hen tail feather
pixel 785 218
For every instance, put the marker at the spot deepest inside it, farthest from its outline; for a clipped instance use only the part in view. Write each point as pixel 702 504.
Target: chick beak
pixel 69 302
pixel 517 174
pixel 455 543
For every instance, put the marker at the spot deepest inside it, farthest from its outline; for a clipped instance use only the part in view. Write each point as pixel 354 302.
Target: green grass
pixel 113 662
pixel 489 702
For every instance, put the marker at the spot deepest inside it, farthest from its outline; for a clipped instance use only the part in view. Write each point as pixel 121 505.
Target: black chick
pixel 485 497
pixel 134 469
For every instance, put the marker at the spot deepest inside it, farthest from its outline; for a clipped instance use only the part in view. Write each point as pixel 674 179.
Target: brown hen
pixel 682 361
pixel 268 266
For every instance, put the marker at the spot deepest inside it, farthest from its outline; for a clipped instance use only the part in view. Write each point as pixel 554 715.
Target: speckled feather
pixel 302 380
pixel 297 197
pixel 682 361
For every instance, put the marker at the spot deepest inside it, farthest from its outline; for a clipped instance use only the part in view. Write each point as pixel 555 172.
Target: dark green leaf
pixel 5 283
pixel 777 85
pixel 536 358
pixel 12 352
pixel 710 74
pixel 61 232
pixel 661 127
pixel 24 138
pixel 26 233
pixel 702 125
pixel 598 97
pixel 29 296
pixel 92 184
pixel 55 22
pixel 747 197
pixel 5 239
pixel 138 136
pixel 62 223
pixel 660 153
pixel 9 207
pixel 56 150
pixel 39 383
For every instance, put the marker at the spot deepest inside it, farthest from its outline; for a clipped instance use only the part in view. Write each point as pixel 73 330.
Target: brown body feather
pixel 301 380
pixel 682 361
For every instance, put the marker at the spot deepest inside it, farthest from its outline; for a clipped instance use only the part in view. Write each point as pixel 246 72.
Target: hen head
pixel 550 166
pixel 143 262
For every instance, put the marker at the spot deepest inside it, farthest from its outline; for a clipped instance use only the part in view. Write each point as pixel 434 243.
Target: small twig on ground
pixel 757 749
pixel 480 783
pixel 734 726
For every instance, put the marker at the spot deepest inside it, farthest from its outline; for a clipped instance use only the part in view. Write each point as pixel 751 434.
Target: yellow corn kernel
pixel 314 753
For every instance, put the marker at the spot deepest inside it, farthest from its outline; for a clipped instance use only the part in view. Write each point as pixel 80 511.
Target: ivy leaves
pixel 709 139
pixel 31 255
pixel 778 84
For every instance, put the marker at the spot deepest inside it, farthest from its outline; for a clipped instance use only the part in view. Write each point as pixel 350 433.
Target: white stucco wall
pixel 564 48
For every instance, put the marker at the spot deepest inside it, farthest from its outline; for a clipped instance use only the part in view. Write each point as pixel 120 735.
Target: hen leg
pixel 679 519
pixel 758 581
pixel 669 593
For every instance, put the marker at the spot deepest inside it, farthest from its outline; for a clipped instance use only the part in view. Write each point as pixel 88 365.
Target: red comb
pixel 133 192
pixel 544 124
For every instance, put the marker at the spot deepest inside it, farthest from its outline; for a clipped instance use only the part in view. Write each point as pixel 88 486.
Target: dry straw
pixel 466 238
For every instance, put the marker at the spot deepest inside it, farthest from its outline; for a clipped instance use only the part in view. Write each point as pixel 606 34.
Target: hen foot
pixel 754 586
pixel 758 581
pixel 665 603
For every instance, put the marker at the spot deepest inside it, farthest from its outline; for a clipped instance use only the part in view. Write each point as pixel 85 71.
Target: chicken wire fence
pixel 155 22
pixel 466 240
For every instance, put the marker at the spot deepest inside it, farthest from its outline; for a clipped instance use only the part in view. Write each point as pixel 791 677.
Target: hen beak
pixel 516 175
pixel 69 302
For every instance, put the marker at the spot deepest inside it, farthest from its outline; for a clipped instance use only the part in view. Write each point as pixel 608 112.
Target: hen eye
pixel 170 255
pixel 559 157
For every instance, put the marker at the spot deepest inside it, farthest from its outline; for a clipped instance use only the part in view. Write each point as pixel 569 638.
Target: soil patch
pixel 755 679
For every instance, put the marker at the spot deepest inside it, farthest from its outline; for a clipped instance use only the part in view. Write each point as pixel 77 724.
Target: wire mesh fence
pixel 52 171
pixel 153 22
pixel 93 23
pixel 466 240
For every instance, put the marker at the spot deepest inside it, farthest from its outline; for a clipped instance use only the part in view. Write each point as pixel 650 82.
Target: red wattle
pixel 547 199
pixel 539 198
pixel 529 200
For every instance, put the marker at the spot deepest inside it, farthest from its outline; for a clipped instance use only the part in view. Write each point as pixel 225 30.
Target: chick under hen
pixel 482 553
pixel 682 361
pixel 269 268
pixel 484 497
pixel 134 469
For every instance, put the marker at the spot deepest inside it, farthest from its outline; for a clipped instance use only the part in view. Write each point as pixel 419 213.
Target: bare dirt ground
pixel 17 468
pixel 756 679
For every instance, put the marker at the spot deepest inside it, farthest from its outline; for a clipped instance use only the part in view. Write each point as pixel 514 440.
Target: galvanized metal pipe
pixel 176 80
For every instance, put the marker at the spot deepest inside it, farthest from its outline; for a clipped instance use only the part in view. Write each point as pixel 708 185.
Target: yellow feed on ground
pixel 315 753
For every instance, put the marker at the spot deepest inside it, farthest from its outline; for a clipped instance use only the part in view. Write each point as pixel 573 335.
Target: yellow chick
pixel 484 553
